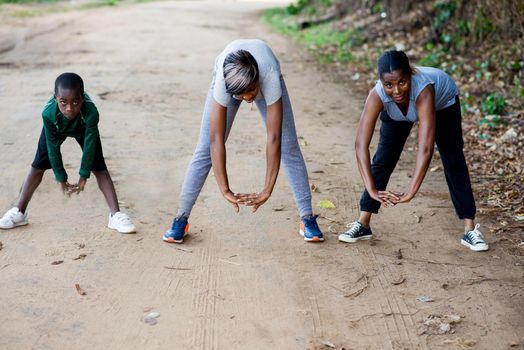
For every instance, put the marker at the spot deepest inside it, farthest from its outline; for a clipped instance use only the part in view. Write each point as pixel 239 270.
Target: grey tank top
pixel 445 92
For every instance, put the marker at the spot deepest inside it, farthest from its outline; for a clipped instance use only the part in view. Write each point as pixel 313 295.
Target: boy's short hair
pixel 240 72
pixel 69 81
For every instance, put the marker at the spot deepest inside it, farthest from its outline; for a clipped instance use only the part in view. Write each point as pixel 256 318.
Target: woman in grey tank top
pixel 402 96
pixel 247 71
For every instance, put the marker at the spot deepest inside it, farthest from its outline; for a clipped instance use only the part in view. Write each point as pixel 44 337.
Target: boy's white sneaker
pixel 13 218
pixel 121 222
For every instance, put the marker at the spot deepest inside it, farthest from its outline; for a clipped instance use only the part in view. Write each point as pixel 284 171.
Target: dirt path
pixel 240 281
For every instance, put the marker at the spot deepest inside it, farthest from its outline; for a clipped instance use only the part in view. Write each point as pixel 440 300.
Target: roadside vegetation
pixel 479 43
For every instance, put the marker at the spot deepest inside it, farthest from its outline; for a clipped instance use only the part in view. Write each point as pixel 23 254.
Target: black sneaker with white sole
pixel 355 233
pixel 474 240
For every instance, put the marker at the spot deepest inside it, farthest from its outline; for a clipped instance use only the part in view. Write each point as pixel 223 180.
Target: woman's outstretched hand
pixel 388 198
pixel 232 198
pixel 405 198
pixel 254 200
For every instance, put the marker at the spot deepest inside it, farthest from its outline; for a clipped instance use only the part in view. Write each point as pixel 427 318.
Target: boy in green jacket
pixel 69 113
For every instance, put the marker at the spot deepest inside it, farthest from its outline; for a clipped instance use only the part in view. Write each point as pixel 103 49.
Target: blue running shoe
pixel 178 231
pixel 474 240
pixel 309 229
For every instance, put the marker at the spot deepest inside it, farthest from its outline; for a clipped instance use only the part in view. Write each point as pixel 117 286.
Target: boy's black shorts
pixel 42 157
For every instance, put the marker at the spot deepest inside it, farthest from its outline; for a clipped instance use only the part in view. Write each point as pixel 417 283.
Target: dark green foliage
pixel 443 13
pixel 493 103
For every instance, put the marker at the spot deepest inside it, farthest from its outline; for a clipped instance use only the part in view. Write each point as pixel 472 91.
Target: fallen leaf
pixel 57 262
pixel 326 204
pixel 79 289
pixel 519 217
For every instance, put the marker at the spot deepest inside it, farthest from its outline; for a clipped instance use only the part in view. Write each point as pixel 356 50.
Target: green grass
pixel 329 44
pixel 281 21
pixel 99 3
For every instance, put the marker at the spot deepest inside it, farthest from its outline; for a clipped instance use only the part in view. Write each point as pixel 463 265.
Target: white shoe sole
pixel 165 239
pixel 22 223
pixel 474 248
pixel 346 239
pixel 316 239
pixel 128 230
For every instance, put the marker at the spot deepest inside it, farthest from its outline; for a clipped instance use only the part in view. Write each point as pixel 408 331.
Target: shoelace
pixel 475 235
pixel 311 222
pixel 178 224
pixel 122 218
pixel 354 229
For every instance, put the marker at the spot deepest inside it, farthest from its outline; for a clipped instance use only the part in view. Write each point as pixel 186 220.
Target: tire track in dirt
pixel 403 324
pixel 204 299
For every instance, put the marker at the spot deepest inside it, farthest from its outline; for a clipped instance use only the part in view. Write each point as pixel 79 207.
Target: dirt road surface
pixel 240 281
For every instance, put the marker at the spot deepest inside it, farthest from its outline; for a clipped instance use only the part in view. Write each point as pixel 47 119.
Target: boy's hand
pixel 67 188
pixel 79 187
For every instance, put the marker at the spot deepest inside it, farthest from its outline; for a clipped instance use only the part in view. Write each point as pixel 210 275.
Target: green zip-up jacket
pixel 58 128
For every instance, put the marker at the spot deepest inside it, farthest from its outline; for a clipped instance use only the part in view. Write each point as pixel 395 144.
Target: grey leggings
pixel 291 156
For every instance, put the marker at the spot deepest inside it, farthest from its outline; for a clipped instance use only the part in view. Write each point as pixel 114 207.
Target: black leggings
pixel 448 137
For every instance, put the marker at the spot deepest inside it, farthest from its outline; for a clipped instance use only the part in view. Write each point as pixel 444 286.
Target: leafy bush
pixel 482 26
pixel 443 13
pixel 493 103
pixel 432 59
pixel 295 9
